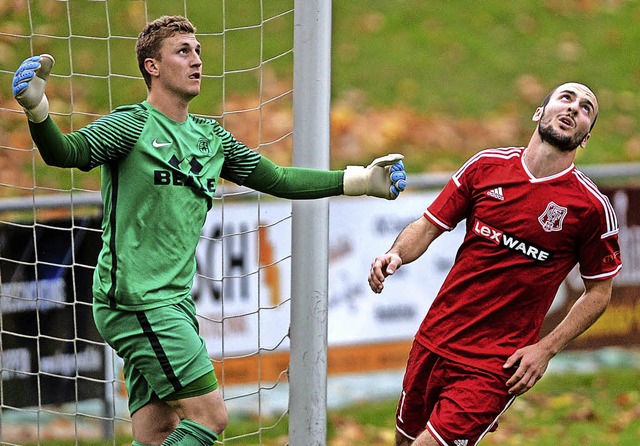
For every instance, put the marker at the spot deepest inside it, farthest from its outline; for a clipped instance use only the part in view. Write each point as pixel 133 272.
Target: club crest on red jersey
pixel 552 218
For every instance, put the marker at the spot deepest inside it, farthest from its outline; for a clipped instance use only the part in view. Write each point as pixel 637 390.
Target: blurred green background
pixel 489 63
pixel 435 80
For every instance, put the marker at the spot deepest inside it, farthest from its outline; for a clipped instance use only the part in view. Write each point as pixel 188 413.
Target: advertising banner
pixel 367 331
pixel 51 351
pixel 245 256
pixel 251 267
pixel 242 293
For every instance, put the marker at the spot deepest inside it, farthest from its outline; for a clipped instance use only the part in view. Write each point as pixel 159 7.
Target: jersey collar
pixel 533 179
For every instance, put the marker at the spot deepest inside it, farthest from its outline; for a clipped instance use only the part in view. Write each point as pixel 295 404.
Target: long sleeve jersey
pixel 159 177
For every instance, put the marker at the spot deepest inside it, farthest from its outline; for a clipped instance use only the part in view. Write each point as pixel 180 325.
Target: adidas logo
pixel 461 442
pixel 497 194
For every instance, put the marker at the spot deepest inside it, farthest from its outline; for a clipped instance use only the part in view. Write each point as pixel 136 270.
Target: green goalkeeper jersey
pixel 158 180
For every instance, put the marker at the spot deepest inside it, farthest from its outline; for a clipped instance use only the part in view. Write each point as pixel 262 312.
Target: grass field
pixel 599 408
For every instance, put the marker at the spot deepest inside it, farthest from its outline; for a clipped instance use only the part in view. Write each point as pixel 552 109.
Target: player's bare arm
pixel 531 362
pixel 410 244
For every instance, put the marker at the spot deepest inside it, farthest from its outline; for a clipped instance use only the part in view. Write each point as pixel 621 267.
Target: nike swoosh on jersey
pixel 157 144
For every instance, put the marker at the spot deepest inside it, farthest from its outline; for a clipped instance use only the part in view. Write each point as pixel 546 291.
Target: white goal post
pixel 310 227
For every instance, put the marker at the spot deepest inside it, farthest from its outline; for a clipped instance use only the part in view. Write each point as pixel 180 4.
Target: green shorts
pixel 162 351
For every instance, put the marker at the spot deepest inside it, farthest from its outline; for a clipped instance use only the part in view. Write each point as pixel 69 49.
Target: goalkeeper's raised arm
pixel 56 148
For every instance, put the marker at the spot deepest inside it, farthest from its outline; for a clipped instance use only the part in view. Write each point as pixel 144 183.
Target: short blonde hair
pixel 154 33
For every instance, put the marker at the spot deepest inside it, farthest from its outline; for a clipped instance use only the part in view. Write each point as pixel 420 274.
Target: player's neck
pixel 173 107
pixel 544 160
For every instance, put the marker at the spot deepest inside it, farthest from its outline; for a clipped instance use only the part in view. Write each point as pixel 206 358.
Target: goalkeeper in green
pixel 160 166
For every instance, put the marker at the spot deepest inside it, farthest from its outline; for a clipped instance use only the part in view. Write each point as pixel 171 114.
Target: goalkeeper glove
pixel 383 178
pixel 28 86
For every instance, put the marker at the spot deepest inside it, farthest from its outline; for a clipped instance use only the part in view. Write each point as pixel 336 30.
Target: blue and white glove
pixel 383 178
pixel 28 86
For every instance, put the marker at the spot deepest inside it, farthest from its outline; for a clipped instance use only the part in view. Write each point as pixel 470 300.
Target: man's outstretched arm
pixel 383 178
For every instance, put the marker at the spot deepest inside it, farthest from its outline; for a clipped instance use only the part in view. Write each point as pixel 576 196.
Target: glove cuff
pixel 40 112
pixel 355 180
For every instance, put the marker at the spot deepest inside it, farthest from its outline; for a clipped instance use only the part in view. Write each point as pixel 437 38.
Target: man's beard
pixel 562 142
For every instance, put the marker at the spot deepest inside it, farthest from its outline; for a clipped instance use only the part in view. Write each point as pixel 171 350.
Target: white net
pixel 59 381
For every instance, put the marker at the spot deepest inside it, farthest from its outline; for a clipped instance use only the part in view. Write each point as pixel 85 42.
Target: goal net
pixel 59 380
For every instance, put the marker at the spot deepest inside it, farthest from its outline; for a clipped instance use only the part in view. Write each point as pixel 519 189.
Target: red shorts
pixel 458 404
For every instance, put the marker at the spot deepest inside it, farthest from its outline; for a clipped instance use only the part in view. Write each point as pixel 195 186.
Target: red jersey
pixel 523 236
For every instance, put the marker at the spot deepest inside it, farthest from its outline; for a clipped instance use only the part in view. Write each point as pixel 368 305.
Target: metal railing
pixel 597 172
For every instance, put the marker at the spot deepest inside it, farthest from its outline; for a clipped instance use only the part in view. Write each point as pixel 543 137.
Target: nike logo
pixel 157 144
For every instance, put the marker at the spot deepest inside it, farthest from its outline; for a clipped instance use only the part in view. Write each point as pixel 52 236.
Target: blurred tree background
pixel 435 80
pixel 454 77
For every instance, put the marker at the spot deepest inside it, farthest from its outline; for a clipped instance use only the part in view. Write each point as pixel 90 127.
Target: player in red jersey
pixel 530 217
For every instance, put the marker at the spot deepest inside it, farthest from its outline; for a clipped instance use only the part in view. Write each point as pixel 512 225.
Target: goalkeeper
pixel 160 166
